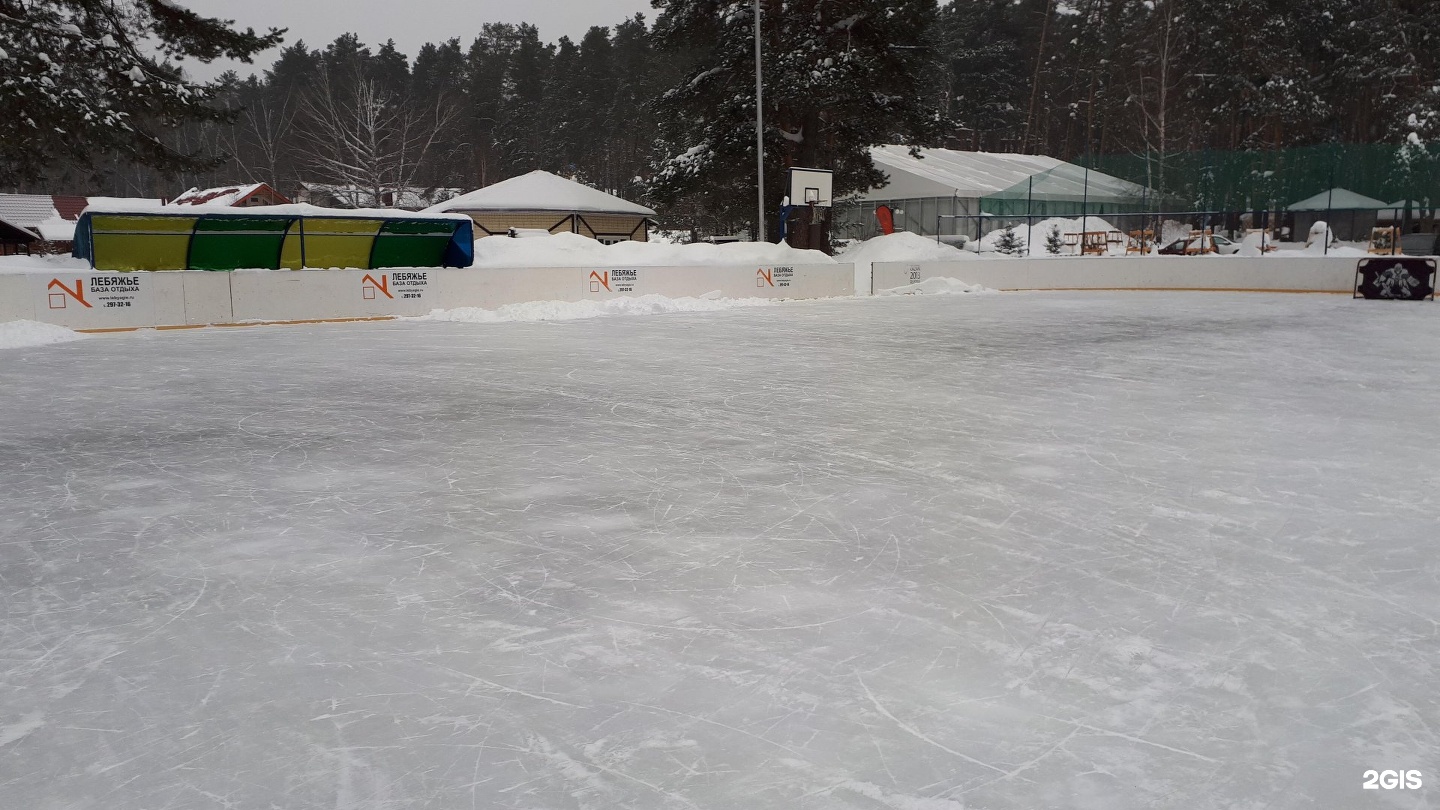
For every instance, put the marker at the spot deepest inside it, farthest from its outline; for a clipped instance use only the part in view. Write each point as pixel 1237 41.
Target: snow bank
pixel 23 334
pixel 1250 245
pixel 1319 235
pixel 897 247
pixel 578 310
pixel 574 250
pixel 1042 228
pixel 937 286
pixel 903 247
pixel 42 264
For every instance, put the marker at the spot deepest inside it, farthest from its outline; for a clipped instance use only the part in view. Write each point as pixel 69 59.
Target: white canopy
pixel 1338 199
pixel 972 175
pixel 542 191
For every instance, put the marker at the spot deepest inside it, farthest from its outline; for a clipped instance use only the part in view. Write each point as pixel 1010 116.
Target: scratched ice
pixel 1000 552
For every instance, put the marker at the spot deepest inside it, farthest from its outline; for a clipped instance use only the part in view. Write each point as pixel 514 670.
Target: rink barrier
pixel 1316 274
pixel 103 302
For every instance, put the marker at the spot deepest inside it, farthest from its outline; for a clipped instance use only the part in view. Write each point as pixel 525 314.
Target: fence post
pixel 1329 203
pixel 1029 223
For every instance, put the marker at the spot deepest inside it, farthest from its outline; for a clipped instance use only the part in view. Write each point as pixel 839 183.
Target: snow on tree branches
pixel 840 76
pixel 85 77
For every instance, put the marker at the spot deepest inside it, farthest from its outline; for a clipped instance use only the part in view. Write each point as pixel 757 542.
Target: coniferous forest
pixel 661 109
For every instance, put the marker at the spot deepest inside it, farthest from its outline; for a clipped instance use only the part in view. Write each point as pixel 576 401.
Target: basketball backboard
pixel 810 186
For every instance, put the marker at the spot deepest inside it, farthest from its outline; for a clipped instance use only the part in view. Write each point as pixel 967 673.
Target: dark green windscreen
pixel 233 243
pixel 412 243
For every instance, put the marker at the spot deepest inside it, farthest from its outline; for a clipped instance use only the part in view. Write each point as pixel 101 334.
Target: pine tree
pixel 840 77
pixel 1054 243
pixel 81 78
pixel 1009 243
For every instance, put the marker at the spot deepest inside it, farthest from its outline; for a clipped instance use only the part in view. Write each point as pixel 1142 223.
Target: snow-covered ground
pixel 897 247
pixel 531 311
pixel 25 334
pixel 573 250
pixel 997 552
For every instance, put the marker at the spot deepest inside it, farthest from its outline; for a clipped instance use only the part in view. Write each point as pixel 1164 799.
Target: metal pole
pixel 759 133
pixel 1084 207
pixel 1329 201
pixel 1029 223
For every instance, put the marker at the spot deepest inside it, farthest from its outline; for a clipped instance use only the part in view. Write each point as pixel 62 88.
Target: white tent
pixel 952 173
pixel 542 191
pixel 934 184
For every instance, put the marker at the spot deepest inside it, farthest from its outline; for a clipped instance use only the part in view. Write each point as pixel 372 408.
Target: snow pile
pixel 1250 246
pixel 1319 235
pixel 1170 230
pixel 1042 228
pixel 574 250
pixel 900 246
pixel 903 246
pixel 23 334
pixel 531 311
pixel 937 286
pixel 42 264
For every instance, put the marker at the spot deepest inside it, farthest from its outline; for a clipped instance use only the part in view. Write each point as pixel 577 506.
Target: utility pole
pixel 759 134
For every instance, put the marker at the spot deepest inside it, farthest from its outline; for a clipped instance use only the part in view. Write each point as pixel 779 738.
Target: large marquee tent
pixel 273 237
pixel 929 191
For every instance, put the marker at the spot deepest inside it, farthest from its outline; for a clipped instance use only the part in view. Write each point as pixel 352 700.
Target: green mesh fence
pixel 1247 181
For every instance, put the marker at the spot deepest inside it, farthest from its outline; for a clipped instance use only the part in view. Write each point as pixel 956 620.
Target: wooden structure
pixel 1140 241
pixel 1201 243
pixel 15 240
pixel 1094 243
pixel 1385 241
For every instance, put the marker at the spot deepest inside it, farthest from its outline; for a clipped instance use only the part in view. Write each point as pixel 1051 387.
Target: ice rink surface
pixel 1000 552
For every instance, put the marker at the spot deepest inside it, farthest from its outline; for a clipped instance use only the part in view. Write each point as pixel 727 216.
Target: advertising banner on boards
pixel 94 300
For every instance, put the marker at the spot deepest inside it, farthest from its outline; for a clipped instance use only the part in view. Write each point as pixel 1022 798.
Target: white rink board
pixel 15 304
pixel 84 300
pixel 303 295
pixel 1304 274
pixel 199 298
pixel 492 287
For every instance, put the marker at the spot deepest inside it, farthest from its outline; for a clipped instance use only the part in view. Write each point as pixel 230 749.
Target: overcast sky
pixel 411 23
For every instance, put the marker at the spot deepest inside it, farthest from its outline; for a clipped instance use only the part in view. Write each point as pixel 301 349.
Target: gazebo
pixel 1351 215
pixel 544 201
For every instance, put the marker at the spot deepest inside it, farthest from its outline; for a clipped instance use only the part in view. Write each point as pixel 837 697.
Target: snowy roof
pixel 56 229
pixel 542 191
pixel 1397 210
pixel 10 232
pixel 953 173
pixel 1337 199
pixel 123 206
pixel 223 195
pixel 26 210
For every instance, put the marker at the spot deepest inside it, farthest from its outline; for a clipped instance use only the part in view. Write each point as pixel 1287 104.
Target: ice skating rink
pixel 997 552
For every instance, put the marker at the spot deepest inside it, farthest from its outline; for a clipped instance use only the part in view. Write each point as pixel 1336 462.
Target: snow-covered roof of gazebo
pixel 542 191
pixel 1338 199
